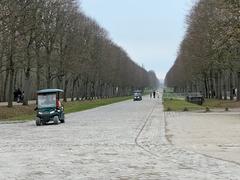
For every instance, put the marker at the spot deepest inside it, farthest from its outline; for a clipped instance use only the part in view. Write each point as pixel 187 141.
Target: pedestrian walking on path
pixel 154 94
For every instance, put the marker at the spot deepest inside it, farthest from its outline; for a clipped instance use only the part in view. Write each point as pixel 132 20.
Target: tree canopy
pixel 208 57
pixel 53 44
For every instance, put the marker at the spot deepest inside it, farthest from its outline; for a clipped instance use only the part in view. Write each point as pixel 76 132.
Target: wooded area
pixel 208 60
pixel 53 44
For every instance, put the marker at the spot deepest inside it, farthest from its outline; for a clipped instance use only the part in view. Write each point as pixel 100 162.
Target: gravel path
pixel 120 141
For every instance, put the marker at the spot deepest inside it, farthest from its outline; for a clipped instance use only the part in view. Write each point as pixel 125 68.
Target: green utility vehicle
pixel 49 107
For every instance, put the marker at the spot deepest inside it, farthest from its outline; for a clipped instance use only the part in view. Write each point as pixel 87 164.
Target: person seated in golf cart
pixel 58 103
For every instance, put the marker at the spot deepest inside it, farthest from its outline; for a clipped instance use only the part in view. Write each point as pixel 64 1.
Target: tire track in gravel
pixel 146 120
pixel 188 160
pixel 141 130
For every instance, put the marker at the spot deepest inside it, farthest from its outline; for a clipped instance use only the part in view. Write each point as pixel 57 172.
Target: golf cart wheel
pixel 38 122
pixel 55 120
pixel 62 120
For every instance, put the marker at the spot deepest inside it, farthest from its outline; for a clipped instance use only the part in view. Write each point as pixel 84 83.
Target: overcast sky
pixel 149 30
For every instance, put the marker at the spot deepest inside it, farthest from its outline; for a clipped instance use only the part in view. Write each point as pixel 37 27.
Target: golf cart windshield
pixel 137 94
pixel 46 101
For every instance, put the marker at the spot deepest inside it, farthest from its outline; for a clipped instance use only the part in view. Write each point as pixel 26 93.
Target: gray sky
pixel 150 31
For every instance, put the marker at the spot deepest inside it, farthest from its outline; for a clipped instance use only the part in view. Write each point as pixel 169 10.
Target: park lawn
pixel 17 113
pixel 23 113
pixel 180 105
pixel 215 103
pixel 76 106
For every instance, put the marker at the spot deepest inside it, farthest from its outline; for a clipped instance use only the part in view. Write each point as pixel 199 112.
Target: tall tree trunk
pixel 101 90
pixel 5 86
pixel 92 90
pixel 11 69
pixel 1 74
pixel 65 90
pixel 1 86
pixel 225 88
pixel 212 85
pixel 231 85
pixel 238 86
pixel 220 85
pixel 206 86
pixel 21 80
pixel 27 72
pixel 38 76
pixel 26 87
pixel 78 90
pixel 73 88
pixel 105 90
pixel 59 82
pixel 15 80
pixel 49 73
pixel 48 76
pixel 217 85
pixel 37 49
pixel 84 96
pixel 11 78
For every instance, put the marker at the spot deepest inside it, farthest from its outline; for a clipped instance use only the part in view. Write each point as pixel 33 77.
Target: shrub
pixel 169 109
pixel 207 109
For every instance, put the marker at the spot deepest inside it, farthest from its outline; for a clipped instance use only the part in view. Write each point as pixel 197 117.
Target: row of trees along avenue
pixel 208 60
pixel 53 44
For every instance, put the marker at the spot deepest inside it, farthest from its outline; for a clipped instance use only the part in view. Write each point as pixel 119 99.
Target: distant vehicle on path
pixel 49 107
pixel 137 95
pixel 195 98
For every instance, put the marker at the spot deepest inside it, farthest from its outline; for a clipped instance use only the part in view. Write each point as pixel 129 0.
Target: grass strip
pixel 23 113
pixel 172 104
pixel 76 106
pixel 215 103
pixel 180 105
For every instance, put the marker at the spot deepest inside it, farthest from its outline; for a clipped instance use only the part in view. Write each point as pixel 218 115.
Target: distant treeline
pixel 209 56
pixel 53 44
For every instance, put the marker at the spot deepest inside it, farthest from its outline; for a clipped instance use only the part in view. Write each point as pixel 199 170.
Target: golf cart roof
pixel 137 91
pixel 49 91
